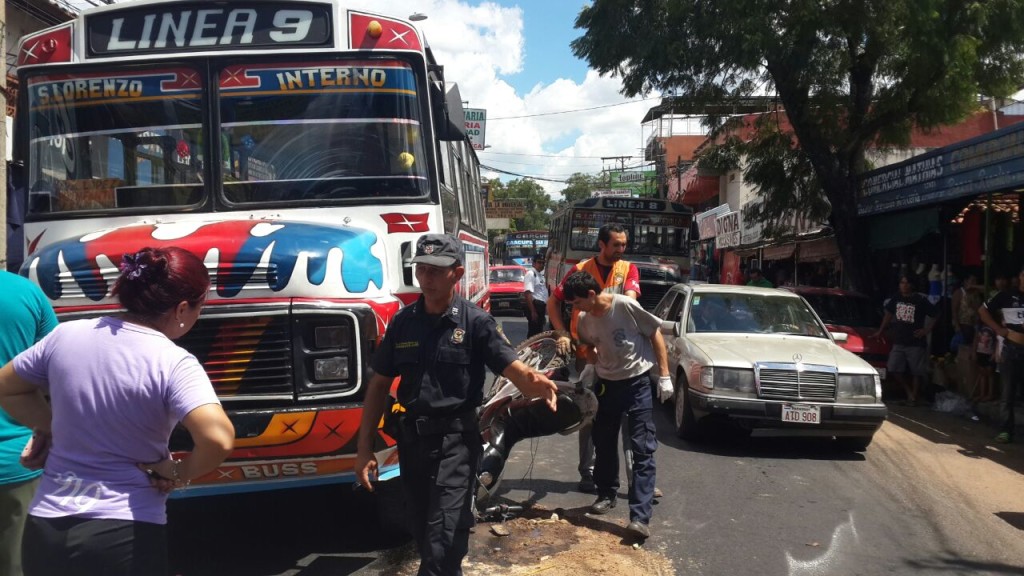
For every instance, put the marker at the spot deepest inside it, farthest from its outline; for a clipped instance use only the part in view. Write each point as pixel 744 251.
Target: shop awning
pixel 901 228
pixel 820 249
pixel 780 252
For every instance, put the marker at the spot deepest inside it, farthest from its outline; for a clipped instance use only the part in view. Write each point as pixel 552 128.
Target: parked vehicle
pixel 762 358
pixel 853 314
pixel 657 275
pixel 507 289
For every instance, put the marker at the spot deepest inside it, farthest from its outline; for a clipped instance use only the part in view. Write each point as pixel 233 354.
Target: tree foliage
pixel 849 73
pixel 538 205
pixel 580 186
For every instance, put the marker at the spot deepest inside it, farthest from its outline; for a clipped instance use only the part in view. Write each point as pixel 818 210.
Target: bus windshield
pixel 115 141
pixel 653 234
pixel 322 131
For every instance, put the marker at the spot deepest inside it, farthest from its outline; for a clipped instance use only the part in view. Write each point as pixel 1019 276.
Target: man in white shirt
pixel 535 290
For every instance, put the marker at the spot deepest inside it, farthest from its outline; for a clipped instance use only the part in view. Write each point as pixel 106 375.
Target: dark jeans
pixel 1011 370
pixel 93 547
pixel 632 398
pixel 439 479
pixel 536 326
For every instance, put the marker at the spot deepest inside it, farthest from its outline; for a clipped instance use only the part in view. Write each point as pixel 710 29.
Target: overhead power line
pixel 575 110
pixel 499 171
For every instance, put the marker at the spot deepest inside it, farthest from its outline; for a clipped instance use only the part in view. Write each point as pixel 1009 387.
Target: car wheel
pixel 686 424
pixel 854 443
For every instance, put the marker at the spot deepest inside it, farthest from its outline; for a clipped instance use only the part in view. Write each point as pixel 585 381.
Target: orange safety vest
pixel 613 284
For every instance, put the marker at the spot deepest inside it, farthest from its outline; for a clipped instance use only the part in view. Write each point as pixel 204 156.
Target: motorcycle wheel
pixel 540 353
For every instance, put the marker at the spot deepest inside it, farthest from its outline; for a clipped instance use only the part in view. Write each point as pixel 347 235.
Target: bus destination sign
pixel 633 204
pixel 207 26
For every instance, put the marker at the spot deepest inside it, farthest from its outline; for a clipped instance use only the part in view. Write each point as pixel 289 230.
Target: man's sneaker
pixel 1003 438
pixel 602 505
pixel 658 493
pixel 587 484
pixel 640 529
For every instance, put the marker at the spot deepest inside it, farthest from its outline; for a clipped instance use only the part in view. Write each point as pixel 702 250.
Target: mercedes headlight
pixel 859 387
pixel 734 380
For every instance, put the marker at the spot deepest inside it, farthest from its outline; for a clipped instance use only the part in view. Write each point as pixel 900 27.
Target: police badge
pixel 457 335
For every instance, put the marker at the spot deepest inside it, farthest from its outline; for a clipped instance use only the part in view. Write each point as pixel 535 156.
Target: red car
pixel 507 289
pixel 853 314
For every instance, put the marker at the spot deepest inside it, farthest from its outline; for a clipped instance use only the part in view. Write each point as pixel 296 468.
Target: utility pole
pixel 622 166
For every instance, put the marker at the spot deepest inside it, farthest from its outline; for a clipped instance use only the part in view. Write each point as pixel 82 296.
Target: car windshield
pixel 751 314
pixel 507 275
pixel 845 309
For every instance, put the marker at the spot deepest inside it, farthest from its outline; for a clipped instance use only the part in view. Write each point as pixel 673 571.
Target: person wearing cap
pixel 439 347
pixel 535 291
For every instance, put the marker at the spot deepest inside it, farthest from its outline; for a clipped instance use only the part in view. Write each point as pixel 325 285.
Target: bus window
pixel 340 142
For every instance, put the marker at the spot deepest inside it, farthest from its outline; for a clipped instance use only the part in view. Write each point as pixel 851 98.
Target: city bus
pixel 518 248
pixel 300 148
pixel 658 233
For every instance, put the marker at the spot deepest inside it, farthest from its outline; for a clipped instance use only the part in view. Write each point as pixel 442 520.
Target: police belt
pixel 430 425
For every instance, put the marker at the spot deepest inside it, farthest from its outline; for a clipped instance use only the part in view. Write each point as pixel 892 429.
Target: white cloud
pixel 481 45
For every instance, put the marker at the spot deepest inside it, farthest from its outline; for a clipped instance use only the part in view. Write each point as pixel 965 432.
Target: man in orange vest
pixel 616 276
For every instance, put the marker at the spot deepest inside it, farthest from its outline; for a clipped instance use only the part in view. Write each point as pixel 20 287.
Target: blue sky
pixel 548 29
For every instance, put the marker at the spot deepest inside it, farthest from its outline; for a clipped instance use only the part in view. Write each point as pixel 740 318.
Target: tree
pixel 849 73
pixel 580 186
pixel 537 203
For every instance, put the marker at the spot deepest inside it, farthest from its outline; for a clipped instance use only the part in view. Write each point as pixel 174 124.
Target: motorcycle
pixel 506 417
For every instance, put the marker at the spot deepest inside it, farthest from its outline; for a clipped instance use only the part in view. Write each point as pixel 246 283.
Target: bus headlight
pixel 332 368
pixel 330 337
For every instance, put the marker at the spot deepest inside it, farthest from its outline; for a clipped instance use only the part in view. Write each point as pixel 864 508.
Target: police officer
pixel 439 347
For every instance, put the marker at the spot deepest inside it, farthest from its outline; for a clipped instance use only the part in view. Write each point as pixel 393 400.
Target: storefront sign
pixel 727 230
pixel 989 163
pixel 706 221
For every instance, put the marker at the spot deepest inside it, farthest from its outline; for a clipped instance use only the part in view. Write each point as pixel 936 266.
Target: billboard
pixel 635 183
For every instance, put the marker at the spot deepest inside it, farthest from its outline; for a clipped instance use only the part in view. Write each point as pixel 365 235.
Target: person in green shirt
pixel 757 279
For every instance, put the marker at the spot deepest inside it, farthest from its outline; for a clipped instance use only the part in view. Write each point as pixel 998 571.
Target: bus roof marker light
pixel 50 46
pixel 393 35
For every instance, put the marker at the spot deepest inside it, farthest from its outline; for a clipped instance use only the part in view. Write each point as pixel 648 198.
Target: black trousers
pixel 633 398
pixel 1011 371
pixel 93 547
pixel 439 479
pixel 537 326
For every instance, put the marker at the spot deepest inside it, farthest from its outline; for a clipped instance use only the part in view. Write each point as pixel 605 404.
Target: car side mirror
pixel 840 337
pixel 669 328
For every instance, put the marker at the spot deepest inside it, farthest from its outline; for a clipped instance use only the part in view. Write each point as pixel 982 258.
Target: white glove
pixel 665 389
pixel 563 345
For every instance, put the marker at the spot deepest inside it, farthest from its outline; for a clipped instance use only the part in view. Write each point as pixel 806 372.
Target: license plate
pixel 881 373
pixel 801 414
pixel 503 304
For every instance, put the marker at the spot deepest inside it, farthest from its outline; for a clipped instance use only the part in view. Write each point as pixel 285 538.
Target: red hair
pixel 155 280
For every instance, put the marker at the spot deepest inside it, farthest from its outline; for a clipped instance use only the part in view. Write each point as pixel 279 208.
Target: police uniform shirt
pixel 441 359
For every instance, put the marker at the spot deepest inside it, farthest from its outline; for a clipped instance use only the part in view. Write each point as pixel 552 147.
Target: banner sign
pixel 476 127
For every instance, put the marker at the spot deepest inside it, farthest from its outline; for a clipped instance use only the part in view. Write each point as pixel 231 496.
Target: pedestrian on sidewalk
pixel 439 348
pixel 118 385
pixel 535 292
pixel 912 318
pixel 28 317
pixel 1008 306
pixel 625 343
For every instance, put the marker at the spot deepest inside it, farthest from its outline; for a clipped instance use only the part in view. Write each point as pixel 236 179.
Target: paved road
pixel 930 496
